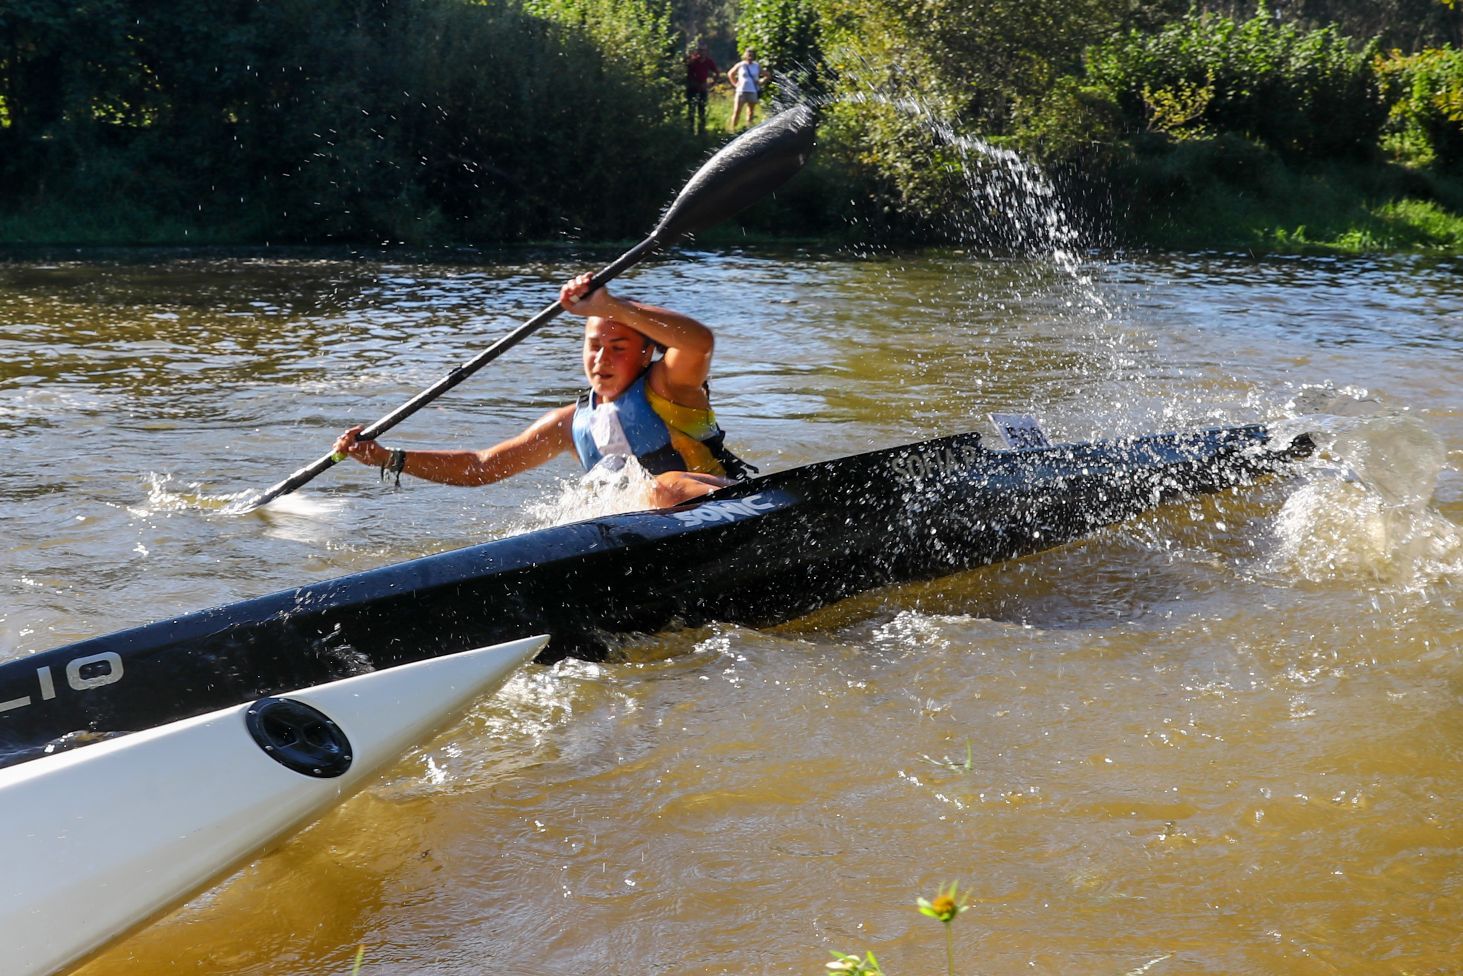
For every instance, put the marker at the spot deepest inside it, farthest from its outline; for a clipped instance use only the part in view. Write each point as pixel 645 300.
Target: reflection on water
pixel 1220 738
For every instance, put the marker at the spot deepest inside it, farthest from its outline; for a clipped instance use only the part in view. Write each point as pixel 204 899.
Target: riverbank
pixel 1216 194
pixel 1229 194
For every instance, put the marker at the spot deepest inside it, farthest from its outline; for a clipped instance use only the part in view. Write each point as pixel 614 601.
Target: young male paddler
pixel 655 409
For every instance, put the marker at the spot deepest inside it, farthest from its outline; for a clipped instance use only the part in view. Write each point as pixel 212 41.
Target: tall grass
pixel 1223 194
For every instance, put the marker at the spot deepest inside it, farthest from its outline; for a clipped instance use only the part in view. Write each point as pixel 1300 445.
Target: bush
pixel 634 33
pixel 1227 192
pixel 1425 95
pixel 1303 93
pixel 325 120
pixel 1073 123
pixel 786 36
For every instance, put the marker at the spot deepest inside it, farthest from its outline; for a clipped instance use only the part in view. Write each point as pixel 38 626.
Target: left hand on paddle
pixel 366 452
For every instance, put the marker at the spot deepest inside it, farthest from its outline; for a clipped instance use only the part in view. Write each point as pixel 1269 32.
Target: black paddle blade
pixel 744 171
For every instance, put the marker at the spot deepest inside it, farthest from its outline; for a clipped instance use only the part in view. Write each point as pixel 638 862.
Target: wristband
pixel 395 462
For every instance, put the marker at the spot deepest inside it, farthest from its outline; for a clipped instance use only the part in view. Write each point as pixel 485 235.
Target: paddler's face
pixel 614 356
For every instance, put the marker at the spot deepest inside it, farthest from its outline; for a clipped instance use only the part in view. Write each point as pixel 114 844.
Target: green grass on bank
pixel 1227 193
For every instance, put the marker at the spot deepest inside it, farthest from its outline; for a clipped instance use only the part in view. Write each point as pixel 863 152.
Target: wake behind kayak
pixel 761 551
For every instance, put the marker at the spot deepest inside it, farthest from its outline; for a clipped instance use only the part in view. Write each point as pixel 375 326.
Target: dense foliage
pixel 1425 91
pixel 1302 93
pixel 337 119
pixel 1407 24
pixel 1113 119
pixel 501 120
pixel 634 34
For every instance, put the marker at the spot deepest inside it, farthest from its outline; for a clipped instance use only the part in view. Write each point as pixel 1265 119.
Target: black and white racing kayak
pixel 761 551
pixel 99 840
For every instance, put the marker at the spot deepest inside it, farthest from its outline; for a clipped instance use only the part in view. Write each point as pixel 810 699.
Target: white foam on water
pixel 298 517
pixel 597 493
pixel 45 404
pixel 166 494
pixel 298 505
pixel 1366 512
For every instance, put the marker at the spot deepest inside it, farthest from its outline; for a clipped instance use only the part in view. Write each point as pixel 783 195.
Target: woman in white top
pixel 747 77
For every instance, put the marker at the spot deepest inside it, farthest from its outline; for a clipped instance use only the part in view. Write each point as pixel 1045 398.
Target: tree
pixel 788 36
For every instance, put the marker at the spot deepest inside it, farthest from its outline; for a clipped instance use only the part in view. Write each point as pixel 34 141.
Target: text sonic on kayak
pixel 936 464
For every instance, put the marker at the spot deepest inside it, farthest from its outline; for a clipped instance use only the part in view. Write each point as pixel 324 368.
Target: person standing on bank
pixel 748 78
pixel 700 70
pixel 657 410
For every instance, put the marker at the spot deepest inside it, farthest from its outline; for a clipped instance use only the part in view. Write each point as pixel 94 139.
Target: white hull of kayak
pixel 102 838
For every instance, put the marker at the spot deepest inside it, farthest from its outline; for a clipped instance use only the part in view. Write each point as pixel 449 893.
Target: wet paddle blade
pixel 745 170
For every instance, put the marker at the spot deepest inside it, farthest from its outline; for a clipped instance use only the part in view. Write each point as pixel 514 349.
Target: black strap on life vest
pixel 736 468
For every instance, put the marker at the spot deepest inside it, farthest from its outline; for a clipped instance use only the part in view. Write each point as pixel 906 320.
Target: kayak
pixel 101 839
pixel 758 552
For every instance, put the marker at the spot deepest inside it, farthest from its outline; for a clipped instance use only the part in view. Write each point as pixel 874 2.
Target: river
pixel 1223 738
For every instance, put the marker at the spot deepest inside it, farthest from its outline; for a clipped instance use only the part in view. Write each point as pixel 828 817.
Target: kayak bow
pixel 99 840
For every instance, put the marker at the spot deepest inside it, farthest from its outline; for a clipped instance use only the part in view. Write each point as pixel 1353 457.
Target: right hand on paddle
pixel 366 452
pixel 576 297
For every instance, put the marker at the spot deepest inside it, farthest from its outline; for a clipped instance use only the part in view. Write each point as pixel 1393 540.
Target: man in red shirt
pixel 700 70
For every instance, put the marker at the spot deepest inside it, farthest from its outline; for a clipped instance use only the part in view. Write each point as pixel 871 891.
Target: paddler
pixel 654 409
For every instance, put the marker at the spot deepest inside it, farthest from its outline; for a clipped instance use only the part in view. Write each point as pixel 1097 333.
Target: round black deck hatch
pixel 299 737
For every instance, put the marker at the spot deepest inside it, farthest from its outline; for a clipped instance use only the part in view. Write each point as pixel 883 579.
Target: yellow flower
pixel 945 905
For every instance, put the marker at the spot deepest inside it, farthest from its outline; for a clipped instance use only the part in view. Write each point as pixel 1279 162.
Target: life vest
pixel 662 435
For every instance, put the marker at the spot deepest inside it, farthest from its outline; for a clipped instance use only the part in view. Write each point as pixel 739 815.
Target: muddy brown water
pixel 1223 738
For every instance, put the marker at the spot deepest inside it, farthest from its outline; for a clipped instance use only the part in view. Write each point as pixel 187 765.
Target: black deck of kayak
pixel 761 551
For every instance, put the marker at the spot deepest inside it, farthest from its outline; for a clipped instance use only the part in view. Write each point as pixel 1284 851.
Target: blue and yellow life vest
pixel 663 435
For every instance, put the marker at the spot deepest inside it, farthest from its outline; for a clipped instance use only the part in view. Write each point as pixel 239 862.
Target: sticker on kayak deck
pixel 729 510
pixel 941 462
pixel 1020 431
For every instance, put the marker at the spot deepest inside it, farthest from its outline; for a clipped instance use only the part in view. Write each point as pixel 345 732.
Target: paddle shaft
pixel 611 271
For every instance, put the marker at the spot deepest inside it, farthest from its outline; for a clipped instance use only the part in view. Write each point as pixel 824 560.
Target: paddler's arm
pixel 548 437
pixel 680 375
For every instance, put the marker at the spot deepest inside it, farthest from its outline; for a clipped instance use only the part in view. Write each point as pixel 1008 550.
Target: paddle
pixel 742 172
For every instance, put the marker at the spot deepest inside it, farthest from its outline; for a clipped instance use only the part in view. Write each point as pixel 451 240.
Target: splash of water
pixel 997 181
pixel 165 494
pixel 597 493
pixel 994 201
pixel 1368 514
pixel 1003 198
